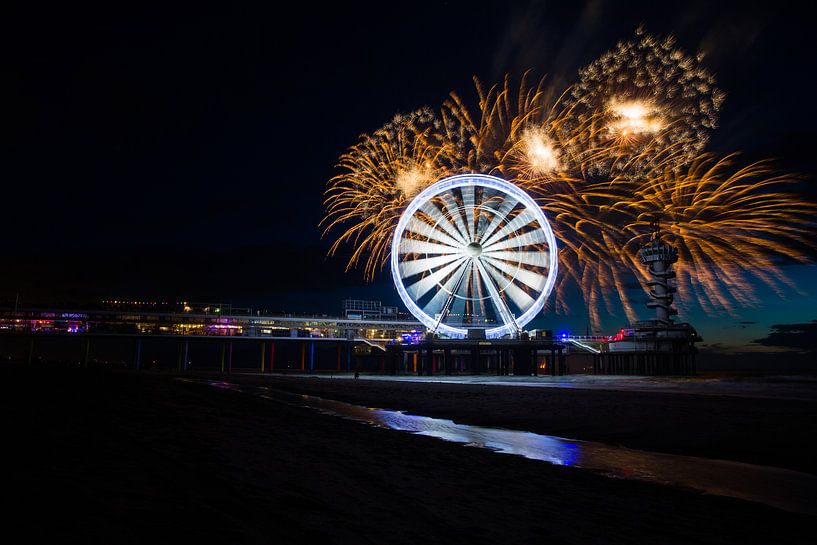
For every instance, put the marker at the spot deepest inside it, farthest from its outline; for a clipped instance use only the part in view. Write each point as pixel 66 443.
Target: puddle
pixel 781 488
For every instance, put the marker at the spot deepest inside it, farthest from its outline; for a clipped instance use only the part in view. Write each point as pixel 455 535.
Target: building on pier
pixel 136 336
pixel 508 356
pixel 658 346
pixel 147 322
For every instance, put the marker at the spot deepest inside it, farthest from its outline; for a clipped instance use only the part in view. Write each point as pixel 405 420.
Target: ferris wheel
pixel 473 251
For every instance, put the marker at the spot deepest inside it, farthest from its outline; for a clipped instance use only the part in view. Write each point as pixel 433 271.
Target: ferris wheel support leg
pixel 449 300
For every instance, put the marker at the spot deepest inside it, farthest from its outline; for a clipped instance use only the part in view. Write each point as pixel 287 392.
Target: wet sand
pixel 772 432
pixel 125 458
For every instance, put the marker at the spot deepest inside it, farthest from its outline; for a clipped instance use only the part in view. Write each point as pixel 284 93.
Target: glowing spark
pixel 540 152
pixel 634 118
pixel 412 179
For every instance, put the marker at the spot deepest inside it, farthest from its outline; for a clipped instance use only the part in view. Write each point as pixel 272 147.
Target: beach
pixel 106 457
pixel 770 431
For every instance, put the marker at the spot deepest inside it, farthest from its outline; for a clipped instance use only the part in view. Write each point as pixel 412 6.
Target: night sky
pixel 169 153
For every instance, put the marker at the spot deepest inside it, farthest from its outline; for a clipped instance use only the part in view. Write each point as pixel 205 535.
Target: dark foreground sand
pixel 123 458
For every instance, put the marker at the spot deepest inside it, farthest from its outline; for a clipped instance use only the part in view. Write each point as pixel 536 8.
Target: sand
pixel 126 458
pixel 765 431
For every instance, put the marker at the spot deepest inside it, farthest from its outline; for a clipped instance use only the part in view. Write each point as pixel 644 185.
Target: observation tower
pixel 658 346
pixel 659 256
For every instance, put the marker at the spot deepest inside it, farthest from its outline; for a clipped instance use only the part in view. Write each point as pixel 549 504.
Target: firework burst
pixel 516 132
pixel 731 225
pixel 603 159
pixel 379 175
pixel 651 105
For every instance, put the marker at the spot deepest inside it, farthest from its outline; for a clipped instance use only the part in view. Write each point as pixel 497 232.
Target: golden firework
pixel 518 132
pixel 587 219
pixel 732 226
pixel 603 158
pixel 650 105
pixel 379 175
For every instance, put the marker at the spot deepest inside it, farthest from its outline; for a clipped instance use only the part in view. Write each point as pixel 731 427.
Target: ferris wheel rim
pixel 497 184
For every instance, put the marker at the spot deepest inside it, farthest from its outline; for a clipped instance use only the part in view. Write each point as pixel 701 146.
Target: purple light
pixel 413 337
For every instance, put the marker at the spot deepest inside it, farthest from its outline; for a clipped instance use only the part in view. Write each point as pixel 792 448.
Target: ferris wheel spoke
pixel 530 238
pixel 412 246
pixel 437 302
pixel 468 204
pixel 536 259
pixel 464 287
pixel 416 266
pixel 500 213
pixel 496 299
pixel 422 286
pixel 476 290
pixel 480 222
pixel 522 219
pixel 418 226
pixel 446 226
pixel 452 212
pixel 521 299
pixel 531 279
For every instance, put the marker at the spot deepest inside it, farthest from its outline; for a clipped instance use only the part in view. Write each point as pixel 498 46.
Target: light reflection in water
pixel 781 488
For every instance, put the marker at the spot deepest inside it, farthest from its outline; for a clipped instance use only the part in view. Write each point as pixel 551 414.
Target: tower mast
pixel 659 257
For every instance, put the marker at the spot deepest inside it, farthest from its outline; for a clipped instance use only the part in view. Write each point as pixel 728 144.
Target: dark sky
pixel 182 152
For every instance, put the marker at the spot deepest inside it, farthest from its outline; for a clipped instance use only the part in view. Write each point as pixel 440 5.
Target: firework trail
pixel 521 134
pixel 380 174
pixel 731 225
pixel 603 159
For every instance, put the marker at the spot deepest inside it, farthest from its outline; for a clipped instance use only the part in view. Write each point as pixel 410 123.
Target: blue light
pixel 413 337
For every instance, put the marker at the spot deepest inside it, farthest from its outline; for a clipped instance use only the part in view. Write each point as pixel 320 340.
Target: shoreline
pixel 775 386
pixel 764 431
pixel 133 458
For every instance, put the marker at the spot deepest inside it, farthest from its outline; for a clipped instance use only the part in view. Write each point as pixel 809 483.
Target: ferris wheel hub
pixel 473 249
